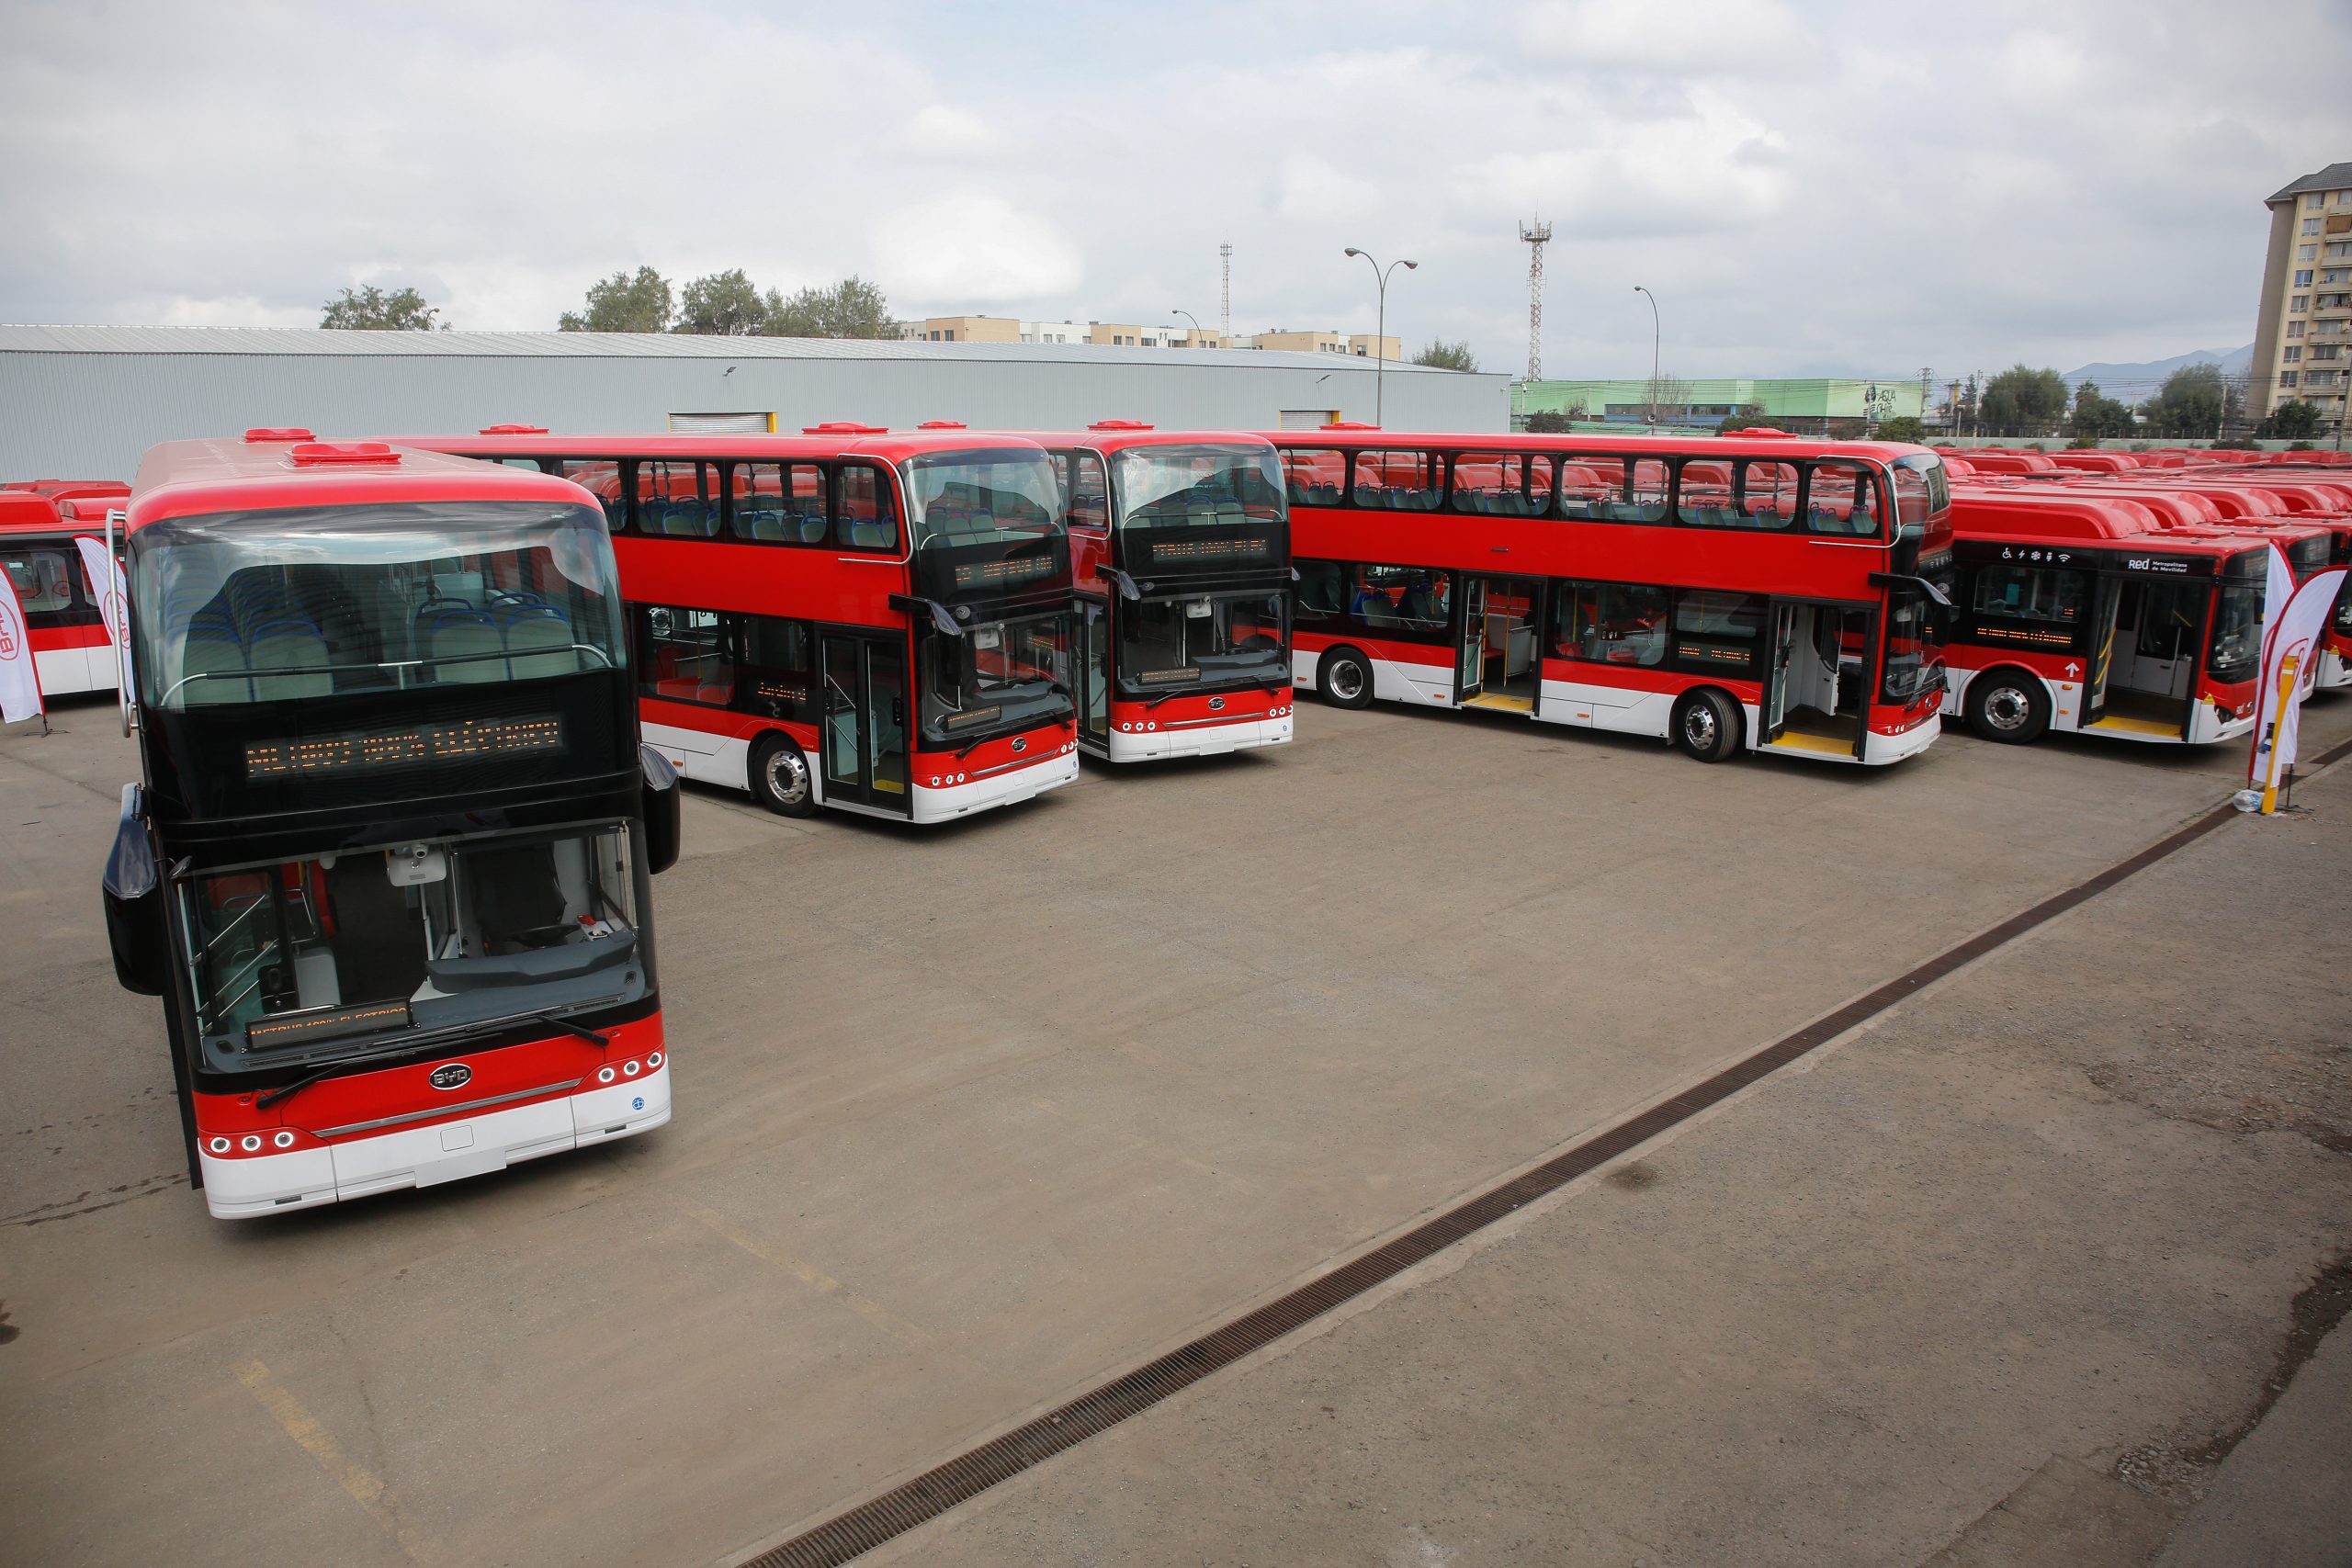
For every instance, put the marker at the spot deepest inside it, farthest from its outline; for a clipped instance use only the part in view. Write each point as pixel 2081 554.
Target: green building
pixel 1706 404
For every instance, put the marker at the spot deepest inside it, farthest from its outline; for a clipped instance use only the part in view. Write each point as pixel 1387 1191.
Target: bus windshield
pixel 1204 641
pixel 1167 487
pixel 968 497
pixel 2236 649
pixel 260 607
pixel 352 952
pixel 995 679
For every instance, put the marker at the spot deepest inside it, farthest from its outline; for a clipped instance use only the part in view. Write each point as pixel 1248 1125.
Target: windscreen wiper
pixel 559 1022
pixel 270 1096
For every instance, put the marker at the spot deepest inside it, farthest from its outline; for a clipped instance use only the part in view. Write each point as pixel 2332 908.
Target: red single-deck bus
pixel 2080 612
pixel 1752 590
pixel 846 618
pixel 387 864
pixel 1180 545
pixel 71 653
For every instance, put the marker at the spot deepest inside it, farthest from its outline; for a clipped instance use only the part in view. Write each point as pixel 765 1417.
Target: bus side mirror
pixel 134 901
pixel 659 790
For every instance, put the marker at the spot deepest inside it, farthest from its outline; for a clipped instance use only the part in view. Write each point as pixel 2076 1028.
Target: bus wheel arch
pixel 1708 724
pixel 1343 675
pixel 2008 703
pixel 780 778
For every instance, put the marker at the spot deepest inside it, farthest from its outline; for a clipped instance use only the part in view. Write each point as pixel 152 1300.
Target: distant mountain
pixel 2129 381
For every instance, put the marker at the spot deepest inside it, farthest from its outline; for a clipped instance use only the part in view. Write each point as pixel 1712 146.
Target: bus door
pixel 2156 662
pixel 1776 673
pixel 1470 657
pixel 1497 663
pixel 865 743
pixel 1094 674
pixel 2104 613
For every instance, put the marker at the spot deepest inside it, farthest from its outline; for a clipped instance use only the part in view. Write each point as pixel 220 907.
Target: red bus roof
pixel 22 509
pixel 1762 444
pixel 889 446
pixel 2061 516
pixel 185 479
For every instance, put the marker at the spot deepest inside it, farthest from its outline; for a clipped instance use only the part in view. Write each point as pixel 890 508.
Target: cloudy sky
pixel 1809 188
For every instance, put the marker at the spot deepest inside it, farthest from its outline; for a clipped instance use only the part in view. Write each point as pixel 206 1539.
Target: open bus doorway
pixel 1496 656
pixel 1816 682
pixel 2145 637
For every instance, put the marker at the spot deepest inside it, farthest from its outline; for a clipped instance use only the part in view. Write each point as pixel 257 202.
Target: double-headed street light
pixel 1380 330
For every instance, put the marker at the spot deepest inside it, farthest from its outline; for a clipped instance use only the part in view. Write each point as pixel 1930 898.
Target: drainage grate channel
pixel 862 1529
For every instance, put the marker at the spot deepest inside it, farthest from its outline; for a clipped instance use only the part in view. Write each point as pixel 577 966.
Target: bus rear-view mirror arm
pixel 941 616
pixel 1127 585
pixel 1936 595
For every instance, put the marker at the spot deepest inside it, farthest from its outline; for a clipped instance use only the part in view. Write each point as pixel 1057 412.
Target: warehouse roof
pixel 639 345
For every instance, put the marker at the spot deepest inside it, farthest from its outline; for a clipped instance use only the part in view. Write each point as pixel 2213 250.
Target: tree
pixel 852 307
pixel 371 310
pixel 2194 400
pixel 1448 355
pixel 624 304
pixel 2021 401
pixel 1665 397
pixel 1902 427
pixel 1553 422
pixel 2293 419
pixel 2097 416
pixel 725 304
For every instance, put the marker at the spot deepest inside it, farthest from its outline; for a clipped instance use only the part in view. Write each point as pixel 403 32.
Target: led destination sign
pixel 1002 573
pixel 1182 552
pixel 458 740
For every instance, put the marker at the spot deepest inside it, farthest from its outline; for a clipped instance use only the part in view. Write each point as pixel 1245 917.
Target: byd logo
pixel 450 1074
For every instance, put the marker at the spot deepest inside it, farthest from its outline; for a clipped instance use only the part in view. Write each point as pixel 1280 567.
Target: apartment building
pixel 2303 338
pixel 1133 335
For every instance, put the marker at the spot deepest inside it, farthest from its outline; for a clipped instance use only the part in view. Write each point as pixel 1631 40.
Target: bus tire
pixel 1706 724
pixel 780 778
pixel 2008 705
pixel 1344 677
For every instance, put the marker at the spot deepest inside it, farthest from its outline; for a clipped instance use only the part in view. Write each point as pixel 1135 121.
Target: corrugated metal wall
pixel 90 414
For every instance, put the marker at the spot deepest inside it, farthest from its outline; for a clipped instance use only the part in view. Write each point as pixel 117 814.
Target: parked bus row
pixel 411 722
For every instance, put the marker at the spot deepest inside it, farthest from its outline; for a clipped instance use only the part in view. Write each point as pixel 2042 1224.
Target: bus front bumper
pixel 240 1186
pixel 1197 739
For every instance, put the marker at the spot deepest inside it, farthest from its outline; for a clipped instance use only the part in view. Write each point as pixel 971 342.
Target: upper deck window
pixel 1844 498
pixel 677 499
pixel 777 503
pixel 968 497
pixel 1400 481
pixel 1746 493
pixel 1502 484
pixel 1175 487
pixel 267 606
pixel 1314 477
pixel 1920 491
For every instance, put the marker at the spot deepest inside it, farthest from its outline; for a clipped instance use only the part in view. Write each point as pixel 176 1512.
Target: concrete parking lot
pixel 972 1119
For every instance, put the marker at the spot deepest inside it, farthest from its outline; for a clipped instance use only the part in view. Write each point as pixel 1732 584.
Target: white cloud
pixel 941 131
pixel 976 247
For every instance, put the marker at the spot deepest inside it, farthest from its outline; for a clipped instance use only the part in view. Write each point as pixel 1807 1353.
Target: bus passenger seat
pixel 213 661
pixel 465 637
pixel 538 642
pixel 296 648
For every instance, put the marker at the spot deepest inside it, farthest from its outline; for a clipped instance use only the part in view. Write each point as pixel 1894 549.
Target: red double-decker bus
pixel 1180 546
pixel 71 650
pixel 1750 591
pixel 387 864
pixel 2079 611
pixel 847 618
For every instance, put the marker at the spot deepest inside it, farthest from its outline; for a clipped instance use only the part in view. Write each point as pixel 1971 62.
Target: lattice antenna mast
pixel 1224 308
pixel 1537 234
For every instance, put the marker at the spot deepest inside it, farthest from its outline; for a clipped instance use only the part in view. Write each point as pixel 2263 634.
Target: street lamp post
pixel 1380 330
pixel 1654 347
pixel 1188 315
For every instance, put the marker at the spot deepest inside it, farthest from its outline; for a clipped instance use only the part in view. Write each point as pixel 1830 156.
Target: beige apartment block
pixel 2303 338
pixel 970 329
pixel 1283 340
pixel 1362 343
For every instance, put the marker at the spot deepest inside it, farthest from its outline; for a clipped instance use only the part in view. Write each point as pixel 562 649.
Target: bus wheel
pixel 780 778
pixel 1344 678
pixel 1706 724
pixel 2008 705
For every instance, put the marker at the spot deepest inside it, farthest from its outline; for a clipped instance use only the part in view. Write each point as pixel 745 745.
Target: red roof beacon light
pixel 943 424
pixel 327 454
pixel 1118 424
pixel 844 427
pixel 291 433
pixel 514 430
